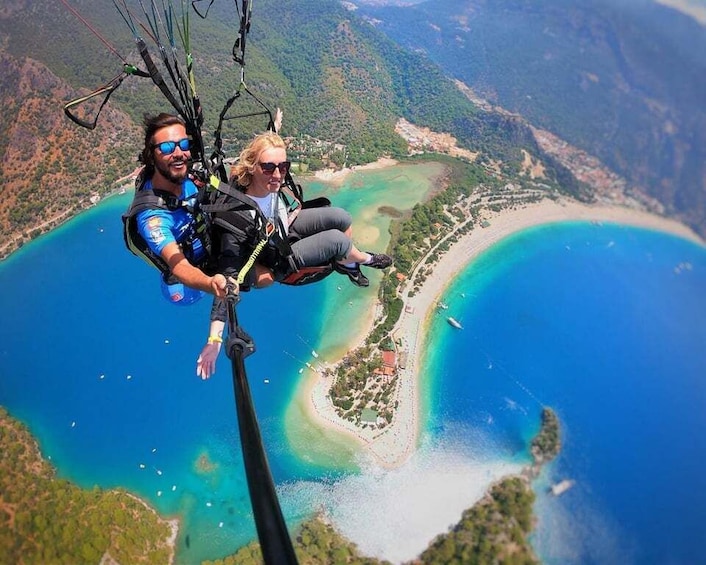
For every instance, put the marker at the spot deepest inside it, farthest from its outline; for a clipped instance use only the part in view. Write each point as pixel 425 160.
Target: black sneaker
pixel 354 273
pixel 378 261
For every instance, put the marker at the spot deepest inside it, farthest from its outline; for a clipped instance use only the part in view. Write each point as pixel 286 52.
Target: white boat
pixel 561 487
pixel 454 322
pixel 443 306
pixel 314 353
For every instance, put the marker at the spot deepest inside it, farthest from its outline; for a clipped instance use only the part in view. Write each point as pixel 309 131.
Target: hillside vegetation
pixel 44 519
pixel 337 78
pixel 50 171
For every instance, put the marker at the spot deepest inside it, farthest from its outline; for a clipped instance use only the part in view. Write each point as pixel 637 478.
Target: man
pixel 163 224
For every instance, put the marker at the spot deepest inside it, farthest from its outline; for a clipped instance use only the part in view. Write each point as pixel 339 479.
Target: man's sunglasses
pixel 168 147
pixel 269 168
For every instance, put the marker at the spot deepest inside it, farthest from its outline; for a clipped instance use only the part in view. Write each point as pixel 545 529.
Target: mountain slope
pixel 49 170
pixel 337 77
pixel 624 81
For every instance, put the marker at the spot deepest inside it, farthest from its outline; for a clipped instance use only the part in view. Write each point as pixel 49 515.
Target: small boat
pixel 454 322
pixel 561 487
pixel 443 306
pixel 314 353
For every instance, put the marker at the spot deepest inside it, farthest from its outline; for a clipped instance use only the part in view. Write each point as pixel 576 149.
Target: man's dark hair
pixel 152 125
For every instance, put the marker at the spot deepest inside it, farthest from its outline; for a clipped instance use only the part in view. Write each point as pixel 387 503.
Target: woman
pixel 297 237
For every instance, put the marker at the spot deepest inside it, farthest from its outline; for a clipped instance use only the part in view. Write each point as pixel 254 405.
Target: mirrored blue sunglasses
pixel 168 147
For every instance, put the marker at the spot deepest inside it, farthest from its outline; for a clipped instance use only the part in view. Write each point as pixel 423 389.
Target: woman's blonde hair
pixel 242 171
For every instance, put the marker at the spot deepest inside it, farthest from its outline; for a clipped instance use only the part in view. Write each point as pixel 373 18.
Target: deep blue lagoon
pixel 603 323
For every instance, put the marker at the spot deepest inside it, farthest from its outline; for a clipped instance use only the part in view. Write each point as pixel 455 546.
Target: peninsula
pixel 390 431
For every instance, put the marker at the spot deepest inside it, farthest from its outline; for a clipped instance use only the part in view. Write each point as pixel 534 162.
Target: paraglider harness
pixel 230 210
pixel 233 211
pixel 209 175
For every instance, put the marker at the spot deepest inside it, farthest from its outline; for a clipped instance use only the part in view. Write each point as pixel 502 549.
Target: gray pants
pixel 317 235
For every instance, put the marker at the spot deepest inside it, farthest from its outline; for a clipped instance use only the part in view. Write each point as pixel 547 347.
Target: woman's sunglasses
pixel 168 147
pixel 269 168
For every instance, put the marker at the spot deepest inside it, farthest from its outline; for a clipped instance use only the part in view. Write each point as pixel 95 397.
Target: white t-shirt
pixel 267 204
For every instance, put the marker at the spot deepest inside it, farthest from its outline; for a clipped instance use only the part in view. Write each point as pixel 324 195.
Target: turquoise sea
pixel 606 324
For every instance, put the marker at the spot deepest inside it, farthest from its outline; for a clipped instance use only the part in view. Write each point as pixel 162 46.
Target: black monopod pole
pixel 275 542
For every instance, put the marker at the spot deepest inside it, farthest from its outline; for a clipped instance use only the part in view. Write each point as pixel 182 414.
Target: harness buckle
pixel 270 228
pixel 172 202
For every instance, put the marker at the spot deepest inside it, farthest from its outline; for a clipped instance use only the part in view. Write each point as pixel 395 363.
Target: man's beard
pixel 167 173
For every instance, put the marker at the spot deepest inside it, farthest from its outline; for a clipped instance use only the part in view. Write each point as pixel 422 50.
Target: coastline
pixel 392 447
pixel 172 523
pixel 336 177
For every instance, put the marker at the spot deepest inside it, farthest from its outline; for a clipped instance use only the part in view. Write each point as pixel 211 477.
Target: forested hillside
pixel 337 78
pixel 623 80
pixel 49 170
pixel 46 519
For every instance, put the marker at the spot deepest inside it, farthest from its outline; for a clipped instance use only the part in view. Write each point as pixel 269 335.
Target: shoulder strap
pixel 216 203
pixel 149 199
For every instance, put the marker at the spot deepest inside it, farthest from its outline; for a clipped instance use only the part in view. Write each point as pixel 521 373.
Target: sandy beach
pixel 336 177
pixel 392 446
